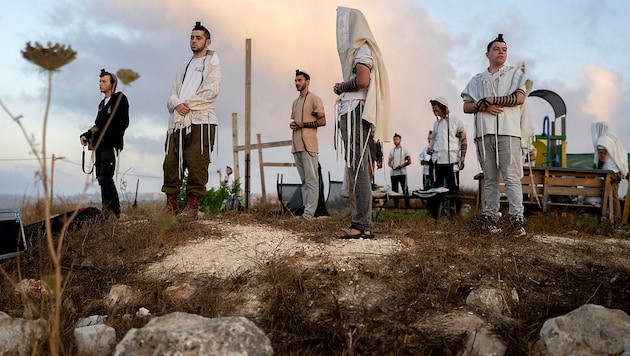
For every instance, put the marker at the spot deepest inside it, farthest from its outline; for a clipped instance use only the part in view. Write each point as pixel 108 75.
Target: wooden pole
pixel 248 116
pixel 235 169
pixel 261 168
pixel 626 205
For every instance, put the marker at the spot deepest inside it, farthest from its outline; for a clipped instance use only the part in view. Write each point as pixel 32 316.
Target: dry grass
pixel 395 304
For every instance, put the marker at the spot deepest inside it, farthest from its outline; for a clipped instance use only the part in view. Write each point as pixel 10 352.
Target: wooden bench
pixel 555 186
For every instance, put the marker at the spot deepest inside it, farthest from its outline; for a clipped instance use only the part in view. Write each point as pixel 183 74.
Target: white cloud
pixel 605 95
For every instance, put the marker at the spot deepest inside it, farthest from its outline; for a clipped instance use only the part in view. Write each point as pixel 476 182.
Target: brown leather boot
pixel 170 209
pixel 191 211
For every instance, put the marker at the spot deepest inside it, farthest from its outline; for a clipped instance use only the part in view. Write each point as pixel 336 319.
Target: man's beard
pixel 200 51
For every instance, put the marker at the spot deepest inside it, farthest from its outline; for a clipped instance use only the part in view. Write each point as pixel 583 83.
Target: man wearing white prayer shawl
pixel 363 108
pixel 496 97
pixel 192 126
pixel 610 155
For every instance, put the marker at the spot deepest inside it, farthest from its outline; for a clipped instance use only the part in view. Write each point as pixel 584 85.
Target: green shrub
pixel 214 198
pixel 211 202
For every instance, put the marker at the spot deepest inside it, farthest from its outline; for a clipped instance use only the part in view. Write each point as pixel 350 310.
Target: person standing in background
pixel 107 134
pixel 399 159
pixel 448 146
pixel 228 181
pixel 307 114
pixel 427 165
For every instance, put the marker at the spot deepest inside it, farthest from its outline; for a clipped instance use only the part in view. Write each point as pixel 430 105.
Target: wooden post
pixel 234 144
pixel 607 201
pixel 624 212
pixel 248 116
pixel 262 169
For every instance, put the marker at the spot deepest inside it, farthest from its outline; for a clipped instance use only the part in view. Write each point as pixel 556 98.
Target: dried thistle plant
pixel 127 76
pixel 49 58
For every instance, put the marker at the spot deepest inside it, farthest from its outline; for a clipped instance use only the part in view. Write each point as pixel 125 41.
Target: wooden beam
pixel 278 164
pixel 235 168
pixel 264 145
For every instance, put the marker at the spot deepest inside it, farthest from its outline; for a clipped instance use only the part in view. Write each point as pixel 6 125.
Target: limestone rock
pixel 183 333
pixel 91 320
pixel 18 336
pixel 484 342
pixel 179 292
pixel 488 299
pixel 588 330
pixel 33 288
pixel 464 322
pixel 95 340
pixel 119 296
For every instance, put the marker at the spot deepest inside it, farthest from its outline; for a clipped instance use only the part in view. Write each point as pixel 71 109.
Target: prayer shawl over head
pixel 603 137
pixel 353 32
pixel 514 121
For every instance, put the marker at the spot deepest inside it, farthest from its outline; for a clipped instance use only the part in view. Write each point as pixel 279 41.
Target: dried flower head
pixel 51 57
pixel 126 76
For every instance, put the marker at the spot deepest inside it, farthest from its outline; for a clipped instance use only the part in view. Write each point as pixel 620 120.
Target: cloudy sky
pixel 576 48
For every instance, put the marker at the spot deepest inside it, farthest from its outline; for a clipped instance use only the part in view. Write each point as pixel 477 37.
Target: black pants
pixel 445 177
pixel 402 181
pixel 105 161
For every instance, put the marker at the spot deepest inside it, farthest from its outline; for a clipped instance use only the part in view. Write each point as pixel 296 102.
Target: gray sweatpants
pixel 356 135
pixel 500 156
pixel 306 163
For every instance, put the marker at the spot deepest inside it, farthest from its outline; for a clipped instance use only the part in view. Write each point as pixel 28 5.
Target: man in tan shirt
pixel 307 114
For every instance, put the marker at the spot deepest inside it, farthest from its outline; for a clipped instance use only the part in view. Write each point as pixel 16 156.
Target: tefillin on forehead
pixel 299 72
pixel 113 78
pixel 499 38
pixel 200 27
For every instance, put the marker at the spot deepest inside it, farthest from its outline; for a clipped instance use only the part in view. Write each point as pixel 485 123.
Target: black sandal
pixel 346 234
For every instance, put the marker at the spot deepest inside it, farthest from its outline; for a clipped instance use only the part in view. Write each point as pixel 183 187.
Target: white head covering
pixel 353 32
pixel 441 100
pixel 604 138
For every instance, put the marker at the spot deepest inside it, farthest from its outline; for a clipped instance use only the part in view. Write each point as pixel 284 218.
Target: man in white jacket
pixel 495 97
pixel 192 125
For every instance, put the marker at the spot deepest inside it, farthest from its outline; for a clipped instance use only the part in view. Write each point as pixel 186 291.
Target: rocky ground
pixel 403 292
